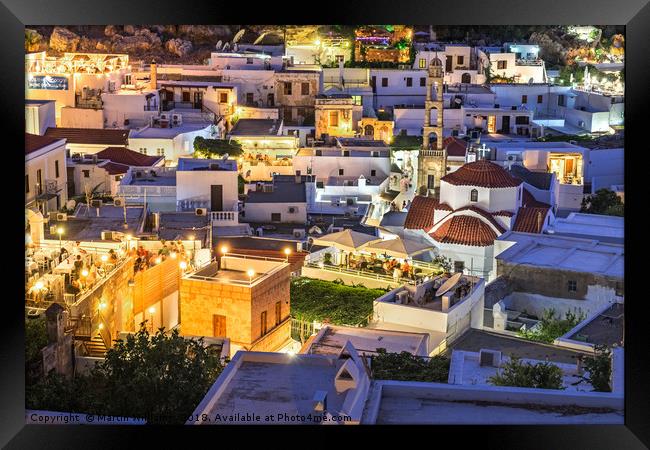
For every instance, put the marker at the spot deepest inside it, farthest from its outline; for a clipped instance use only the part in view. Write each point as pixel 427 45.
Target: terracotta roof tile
pixel 455 146
pixel 465 230
pixel 482 173
pixel 503 213
pixel 35 142
pixel 420 214
pixel 444 207
pixel 488 216
pixel 530 219
pixel 122 155
pixel 95 136
pixel 114 168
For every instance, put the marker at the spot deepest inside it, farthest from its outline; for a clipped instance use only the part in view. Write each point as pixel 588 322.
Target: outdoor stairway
pixel 96 347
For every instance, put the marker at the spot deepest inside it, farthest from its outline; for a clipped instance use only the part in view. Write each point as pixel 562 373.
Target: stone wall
pixel 553 282
pixel 265 294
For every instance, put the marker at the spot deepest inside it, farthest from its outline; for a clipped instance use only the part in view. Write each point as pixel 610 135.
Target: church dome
pixel 482 173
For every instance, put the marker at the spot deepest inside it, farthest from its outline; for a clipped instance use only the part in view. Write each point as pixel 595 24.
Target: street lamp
pixel 192 238
pixel 287 252
pixel 250 273
pixel 183 265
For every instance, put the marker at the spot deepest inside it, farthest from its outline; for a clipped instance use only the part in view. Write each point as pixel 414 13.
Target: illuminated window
pixel 423 63
pixel 502 64
pixel 304 88
pixel 334 118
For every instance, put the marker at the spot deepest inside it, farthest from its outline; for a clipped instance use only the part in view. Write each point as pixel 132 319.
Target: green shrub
pixel 407 367
pixel 599 369
pixel 552 327
pixel 543 375
pixel 216 148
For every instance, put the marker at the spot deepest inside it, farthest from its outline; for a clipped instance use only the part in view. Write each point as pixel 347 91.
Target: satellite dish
pixel 226 46
pixel 458 101
pixel 70 204
pixel 449 284
pixel 225 157
pixel 235 47
pixel 219 45
pixel 239 35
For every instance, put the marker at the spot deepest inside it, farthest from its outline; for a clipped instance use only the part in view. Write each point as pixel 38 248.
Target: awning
pixel 346 240
pixel 398 248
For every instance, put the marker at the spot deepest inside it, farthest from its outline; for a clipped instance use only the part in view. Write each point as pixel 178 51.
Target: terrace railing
pixel 366 274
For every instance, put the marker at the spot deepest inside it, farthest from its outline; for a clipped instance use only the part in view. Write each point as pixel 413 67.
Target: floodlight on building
pixel 152 310
pixel 317 41
pixel 39 285
pixel 102 305
pixel 250 273
pixel 224 249
pixel 100 326
pixel 59 231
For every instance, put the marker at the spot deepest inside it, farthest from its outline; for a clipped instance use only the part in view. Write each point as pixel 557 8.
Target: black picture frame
pixel 634 14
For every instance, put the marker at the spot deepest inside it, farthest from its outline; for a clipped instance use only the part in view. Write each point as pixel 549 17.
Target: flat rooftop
pixel 366 340
pixel 166 133
pixel 233 269
pixel 474 340
pixel 183 224
pixel 338 152
pixel 83 227
pixel 591 226
pixel 606 328
pixel 560 252
pixel 360 142
pixel 279 386
pixel 256 127
pixel 223 275
pixel 189 164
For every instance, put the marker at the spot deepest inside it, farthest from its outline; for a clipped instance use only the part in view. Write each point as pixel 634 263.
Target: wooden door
pixel 216 197
pixel 218 325
pixel 278 313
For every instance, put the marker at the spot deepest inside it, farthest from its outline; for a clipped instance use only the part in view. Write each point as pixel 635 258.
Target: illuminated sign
pixel 48 82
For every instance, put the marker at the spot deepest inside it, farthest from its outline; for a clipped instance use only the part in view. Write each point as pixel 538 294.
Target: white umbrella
pixel 346 240
pixel 398 248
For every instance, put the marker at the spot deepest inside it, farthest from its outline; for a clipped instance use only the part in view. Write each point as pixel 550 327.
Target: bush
pixel 407 367
pixel 552 327
pixel 215 148
pixel 599 369
pixel 604 201
pixel 543 375
pixel 331 302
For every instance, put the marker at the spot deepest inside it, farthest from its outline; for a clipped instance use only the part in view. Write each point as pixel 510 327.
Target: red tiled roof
pixel 465 230
pixel 420 215
pixel 529 201
pixel 503 213
pixel 444 207
pixel 485 214
pixel 99 136
pixel 482 173
pixel 114 168
pixel 530 219
pixel 35 142
pixel 122 155
pixel 455 146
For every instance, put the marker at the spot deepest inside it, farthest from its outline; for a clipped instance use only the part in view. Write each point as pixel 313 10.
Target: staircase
pixel 96 347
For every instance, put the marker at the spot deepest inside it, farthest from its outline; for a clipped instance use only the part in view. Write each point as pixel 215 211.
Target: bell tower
pixel 432 160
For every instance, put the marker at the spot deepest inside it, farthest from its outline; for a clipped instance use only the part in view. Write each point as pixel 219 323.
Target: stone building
pixel 243 298
pixel 433 157
pixel 336 115
pixel 295 94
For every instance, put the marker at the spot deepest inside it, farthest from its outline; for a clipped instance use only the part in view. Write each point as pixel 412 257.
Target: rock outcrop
pixel 33 41
pixel 64 40
pixel 204 34
pixel 178 47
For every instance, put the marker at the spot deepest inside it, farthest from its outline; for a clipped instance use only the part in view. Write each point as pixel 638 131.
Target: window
pixel 334 118
pixel 160 151
pixel 186 96
pixel 373 173
pixel 374 154
pixel 298 173
pixel 340 58
pixel 473 195
pixel 304 88
pixel 572 286
pixel 287 88
pixel 524 99
pixel 127 79
pixel 319 152
pixel 39 182
pixel 349 202
pixel 502 64
pixel 540 98
pixel 263 323
pixel 276 217
pixel 459 266
pixel 26 184
pixel 423 81
pixel 320 185
pixel 620 289
pixel 86 173
pixel 409 81
pixel 278 313
pixel 249 60
pixel 423 63
pixel 384 82
pixel 249 98
pixel 56 168
pixel 223 97
pixel 461 60
pixel 522 120
pixel 431 179
pixel 356 99
pixel 561 100
pixel 341 171
pixel 346 152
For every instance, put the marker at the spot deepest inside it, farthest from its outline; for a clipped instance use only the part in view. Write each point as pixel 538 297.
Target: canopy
pixel 346 240
pixel 398 248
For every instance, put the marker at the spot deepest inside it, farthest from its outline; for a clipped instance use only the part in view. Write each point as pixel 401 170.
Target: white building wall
pixel 324 167
pixel 503 199
pixel 82 117
pixel 38 118
pixel 44 160
pixel 196 185
pixel 261 212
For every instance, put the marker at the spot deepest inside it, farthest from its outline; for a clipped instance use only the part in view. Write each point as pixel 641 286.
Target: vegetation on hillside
pixel 407 367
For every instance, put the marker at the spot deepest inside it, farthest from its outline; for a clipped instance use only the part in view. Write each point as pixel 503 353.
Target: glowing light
pixel 287 251
pixel 129 237
pixel 102 305
pixel 317 41
pixel 59 231
pixel 250 273
pixel 100 326
pixel 38 286
pixel 172 255
pixel 152 310
pixel 321 264
pixel 104 258
pixel 84 273
pixel 158 260
pixel 224 249
pixel 183 265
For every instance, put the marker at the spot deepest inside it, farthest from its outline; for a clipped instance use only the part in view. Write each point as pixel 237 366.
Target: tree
pixel 90 194
pixel 604 201
pixel 405 366
pixel 216 148
pixel 598 369
pixel 552 327
pixel 542 375
pixel 160 377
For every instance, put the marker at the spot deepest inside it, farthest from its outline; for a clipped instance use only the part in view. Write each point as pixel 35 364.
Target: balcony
pixel 529 62
pixel 224 218
pixel 436 153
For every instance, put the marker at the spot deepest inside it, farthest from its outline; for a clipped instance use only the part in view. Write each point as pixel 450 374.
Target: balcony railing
pixel 529 62
pixel 224 218
pixel 438 153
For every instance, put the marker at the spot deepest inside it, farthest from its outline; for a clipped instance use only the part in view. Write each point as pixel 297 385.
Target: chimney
pixel 153 77
pixel 446 302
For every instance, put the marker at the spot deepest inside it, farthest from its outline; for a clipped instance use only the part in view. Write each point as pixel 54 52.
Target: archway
pixel 466 78
pixel 433 141
pixel 369 130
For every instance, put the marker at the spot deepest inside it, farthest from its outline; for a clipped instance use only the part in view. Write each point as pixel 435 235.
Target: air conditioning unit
pixel 96 203
pixel 107 235
pixel 61 217
pixel 164 117
pixel 299 233
pixel 402 297
pixel 512 158
pixel 119 201
pixel 201 211
pixel 490 358
pixel 177 119
pixel 293 210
